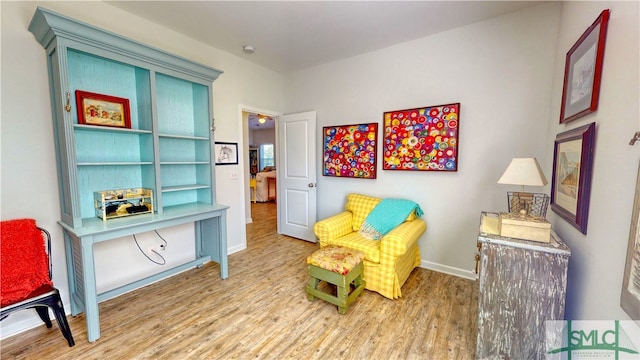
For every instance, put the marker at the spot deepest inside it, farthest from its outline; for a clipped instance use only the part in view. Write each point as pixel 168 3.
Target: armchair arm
pixel 334 227
pixel 398 240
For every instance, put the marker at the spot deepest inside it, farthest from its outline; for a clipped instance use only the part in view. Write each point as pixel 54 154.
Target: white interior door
pixel 296 144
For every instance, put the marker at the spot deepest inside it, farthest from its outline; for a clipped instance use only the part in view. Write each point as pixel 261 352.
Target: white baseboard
pixel 466 274
pixel 236 248
pixel 248 220
pixel 24 325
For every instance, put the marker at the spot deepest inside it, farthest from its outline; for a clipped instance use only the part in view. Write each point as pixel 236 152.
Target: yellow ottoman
pixel 339 266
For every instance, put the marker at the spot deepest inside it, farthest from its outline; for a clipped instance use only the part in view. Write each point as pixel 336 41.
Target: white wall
pixel 263 136
pixel 28 168
pixel 500 71
pixel 597 261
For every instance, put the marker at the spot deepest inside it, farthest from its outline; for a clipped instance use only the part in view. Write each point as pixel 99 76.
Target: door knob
pixel 311 185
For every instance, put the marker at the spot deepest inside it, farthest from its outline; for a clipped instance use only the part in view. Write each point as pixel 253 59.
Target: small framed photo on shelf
pixel 226 153
pixel 583 71
pixel 422 139
pixel 102 110
pixel 350 150
pixel 572 170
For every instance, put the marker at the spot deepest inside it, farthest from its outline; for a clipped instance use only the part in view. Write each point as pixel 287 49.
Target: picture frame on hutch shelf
pixel 583 71
pixel 572 172
pixel 226 153
pixel 102 110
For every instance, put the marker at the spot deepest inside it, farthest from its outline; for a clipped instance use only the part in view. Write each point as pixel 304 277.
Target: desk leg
pixel 211 240
pixel 90 294
pixel 71 282
pixel 222 236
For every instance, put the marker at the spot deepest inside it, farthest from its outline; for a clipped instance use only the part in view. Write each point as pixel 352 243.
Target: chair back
pixel 360 206
pixel 24 259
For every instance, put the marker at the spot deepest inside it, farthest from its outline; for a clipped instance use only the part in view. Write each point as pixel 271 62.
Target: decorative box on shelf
pixel 111 204
pixel 512 225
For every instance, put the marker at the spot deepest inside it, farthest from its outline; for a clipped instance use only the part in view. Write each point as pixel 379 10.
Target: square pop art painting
pixel 350 150
pixel 422 138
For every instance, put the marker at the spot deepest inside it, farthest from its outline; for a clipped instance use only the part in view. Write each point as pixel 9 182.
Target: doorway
pixel 259 148
pixel 294 155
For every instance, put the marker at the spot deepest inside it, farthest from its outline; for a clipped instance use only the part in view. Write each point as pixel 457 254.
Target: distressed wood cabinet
pixel 522 284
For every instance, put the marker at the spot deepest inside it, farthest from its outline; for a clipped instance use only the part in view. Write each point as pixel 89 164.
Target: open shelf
pixel 167 147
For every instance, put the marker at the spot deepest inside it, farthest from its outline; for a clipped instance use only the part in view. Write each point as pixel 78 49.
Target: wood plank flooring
pixel 261 312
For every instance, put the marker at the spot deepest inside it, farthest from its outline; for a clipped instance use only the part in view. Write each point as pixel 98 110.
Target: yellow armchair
pixel 388 261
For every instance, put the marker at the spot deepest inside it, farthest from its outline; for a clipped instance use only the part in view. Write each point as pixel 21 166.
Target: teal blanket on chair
pixel 388 214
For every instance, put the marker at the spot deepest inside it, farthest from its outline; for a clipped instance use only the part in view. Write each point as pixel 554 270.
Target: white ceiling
pixel 254 124
pixel 293 35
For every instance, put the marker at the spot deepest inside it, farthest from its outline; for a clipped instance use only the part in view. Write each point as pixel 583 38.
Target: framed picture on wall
pixel 630 296
pixel 572 168
pixel 350 150
pixel 583 71
pixel 226 153
pixel 422 139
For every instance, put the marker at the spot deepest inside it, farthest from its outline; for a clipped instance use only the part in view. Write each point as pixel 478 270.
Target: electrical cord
pixel 164 261
pixel 165 241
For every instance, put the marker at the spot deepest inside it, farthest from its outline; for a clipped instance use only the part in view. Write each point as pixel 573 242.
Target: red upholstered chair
pixel 26 273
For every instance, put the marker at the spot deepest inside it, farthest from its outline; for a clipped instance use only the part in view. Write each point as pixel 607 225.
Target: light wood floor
pixel 261 312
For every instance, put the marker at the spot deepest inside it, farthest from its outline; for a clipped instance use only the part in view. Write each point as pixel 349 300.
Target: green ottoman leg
pixel 343 293
pixel 313 284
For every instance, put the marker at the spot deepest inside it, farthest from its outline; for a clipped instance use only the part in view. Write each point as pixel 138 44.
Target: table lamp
pixel 525 172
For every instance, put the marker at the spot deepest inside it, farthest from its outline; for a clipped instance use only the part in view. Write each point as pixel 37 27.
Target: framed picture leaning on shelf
pixel 102 110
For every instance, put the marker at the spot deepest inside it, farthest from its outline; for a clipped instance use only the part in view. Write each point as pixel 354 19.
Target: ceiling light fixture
pixel 261 119
pixel 248 49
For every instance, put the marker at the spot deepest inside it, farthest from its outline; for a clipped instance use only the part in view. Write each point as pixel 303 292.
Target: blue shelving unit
pixel 168 148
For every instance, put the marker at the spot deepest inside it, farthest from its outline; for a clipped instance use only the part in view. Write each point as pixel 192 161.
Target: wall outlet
pixel 156 248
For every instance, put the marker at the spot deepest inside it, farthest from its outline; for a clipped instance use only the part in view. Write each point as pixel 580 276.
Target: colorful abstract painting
pixel 350 150
pixel 422 139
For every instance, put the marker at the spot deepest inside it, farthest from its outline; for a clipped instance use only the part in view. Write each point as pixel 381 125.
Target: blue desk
pixel 210 244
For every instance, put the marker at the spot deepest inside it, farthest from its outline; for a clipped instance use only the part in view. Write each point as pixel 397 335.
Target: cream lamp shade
pixel 524 172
